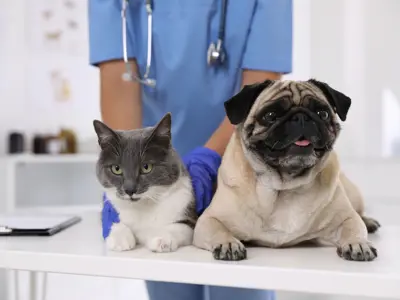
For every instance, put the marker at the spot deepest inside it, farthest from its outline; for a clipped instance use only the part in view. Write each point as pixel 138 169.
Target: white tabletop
pixel 81 250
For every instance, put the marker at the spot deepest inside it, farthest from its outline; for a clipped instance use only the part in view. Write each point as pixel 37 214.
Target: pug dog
pixel 280 182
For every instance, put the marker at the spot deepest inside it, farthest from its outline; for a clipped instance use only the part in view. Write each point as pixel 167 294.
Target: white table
pixel 81 250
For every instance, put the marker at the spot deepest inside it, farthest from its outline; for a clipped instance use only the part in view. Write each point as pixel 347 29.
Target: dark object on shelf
pixel 69 138
pixel 39 145
pixel 16 143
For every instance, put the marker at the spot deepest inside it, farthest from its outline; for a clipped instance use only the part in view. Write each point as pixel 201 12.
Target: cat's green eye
pixel 116 169
pixel 146 168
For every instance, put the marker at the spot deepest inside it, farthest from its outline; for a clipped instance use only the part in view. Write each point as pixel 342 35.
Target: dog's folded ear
pixel 238 107
pixel 340 102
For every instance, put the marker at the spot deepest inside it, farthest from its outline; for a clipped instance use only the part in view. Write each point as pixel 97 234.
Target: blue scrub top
pixel 258 36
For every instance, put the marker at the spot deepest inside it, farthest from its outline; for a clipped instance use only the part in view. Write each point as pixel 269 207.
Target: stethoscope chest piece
pixel 216 54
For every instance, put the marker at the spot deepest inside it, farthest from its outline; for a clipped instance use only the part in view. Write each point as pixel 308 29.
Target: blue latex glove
pixel 109 216
pixel 202 164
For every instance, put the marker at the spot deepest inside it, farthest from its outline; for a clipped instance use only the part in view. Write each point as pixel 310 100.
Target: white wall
pixel 27 60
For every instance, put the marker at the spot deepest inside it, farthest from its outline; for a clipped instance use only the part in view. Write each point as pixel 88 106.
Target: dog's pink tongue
pixel 303 143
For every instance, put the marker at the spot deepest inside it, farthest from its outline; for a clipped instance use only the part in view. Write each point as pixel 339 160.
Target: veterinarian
pixel 186 57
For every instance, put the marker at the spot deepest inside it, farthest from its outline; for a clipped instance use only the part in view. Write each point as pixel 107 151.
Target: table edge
pixel 269 278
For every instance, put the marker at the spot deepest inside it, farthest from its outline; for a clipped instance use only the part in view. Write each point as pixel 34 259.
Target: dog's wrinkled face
pixel 288 125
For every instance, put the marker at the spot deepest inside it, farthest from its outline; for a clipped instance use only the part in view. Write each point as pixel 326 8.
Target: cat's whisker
pixel 155 200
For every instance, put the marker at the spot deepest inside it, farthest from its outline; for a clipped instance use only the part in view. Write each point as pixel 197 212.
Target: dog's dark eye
pixel 269 116
pixel 323 114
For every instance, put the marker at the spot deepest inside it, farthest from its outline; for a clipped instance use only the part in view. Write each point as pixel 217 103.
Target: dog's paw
pixel 120 238
pixel 371 224
pixel 230 251
pixel 162 244
pixel 357 252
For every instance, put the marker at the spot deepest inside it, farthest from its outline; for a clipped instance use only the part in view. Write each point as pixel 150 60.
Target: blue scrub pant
pixel 179 291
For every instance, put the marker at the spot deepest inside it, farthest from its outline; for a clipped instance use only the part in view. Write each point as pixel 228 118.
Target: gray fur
pixel 149 186
pixel 130 150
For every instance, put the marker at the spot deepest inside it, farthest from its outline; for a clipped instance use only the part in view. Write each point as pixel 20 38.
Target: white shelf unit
pixel 27 177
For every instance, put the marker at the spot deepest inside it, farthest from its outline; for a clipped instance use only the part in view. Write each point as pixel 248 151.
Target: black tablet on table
pixel 35 224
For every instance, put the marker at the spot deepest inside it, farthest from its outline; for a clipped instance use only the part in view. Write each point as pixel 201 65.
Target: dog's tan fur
pixel 264 208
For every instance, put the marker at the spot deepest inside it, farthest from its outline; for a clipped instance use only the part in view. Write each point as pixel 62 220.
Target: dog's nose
pixel 130 191
pixel 300 118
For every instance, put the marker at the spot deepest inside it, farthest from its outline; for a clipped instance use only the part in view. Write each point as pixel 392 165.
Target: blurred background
pixel 49 92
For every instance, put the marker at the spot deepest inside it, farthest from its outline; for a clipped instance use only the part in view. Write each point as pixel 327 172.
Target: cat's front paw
pixel 121 238
pixel 162 244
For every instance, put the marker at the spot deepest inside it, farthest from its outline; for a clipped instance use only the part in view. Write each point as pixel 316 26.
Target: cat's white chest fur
pixel 153 221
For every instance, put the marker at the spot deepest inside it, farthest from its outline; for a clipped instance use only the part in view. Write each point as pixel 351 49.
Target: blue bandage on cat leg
pixel 109 216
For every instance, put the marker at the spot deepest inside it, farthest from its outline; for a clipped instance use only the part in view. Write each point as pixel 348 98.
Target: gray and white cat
pixel 148 185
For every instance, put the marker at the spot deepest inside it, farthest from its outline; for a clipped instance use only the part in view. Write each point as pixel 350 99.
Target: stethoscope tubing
pixel 128 75
pixel 222 22
pixel 149 8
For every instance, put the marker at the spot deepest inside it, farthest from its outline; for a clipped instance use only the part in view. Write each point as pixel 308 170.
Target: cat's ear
pixel 163 128
pixel 104 133
pixel 161 134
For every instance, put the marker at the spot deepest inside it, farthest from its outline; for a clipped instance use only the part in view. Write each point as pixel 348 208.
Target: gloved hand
pixel 109 216
pixel 202 164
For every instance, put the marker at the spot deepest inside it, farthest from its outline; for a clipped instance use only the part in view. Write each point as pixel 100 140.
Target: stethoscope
pixel 216 54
